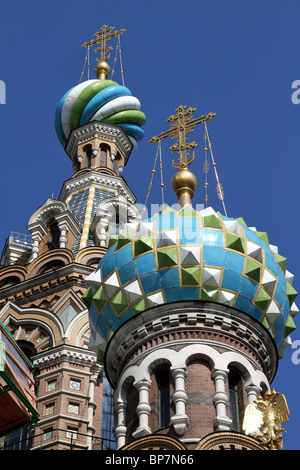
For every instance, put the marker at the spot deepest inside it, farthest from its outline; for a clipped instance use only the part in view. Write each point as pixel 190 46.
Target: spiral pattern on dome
pixel 99 100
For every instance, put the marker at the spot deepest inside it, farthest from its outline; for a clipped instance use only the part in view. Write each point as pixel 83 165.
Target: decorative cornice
pixel 106 131
pixel 155 326
pixel 111 183
pixel 65 353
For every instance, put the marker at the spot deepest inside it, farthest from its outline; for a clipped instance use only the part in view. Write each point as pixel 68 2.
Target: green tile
pixel 289 326
pixel 212 221
pixel 167 258
pixel 100 298
pixel 143 245
pixel 265 322
pixel 241 221
pixel 263 236
pixel 140 306
pixel 190 276
pixel 112 240
pixel 168 210
pixel 291 293
pixel 124 239
pixel 262 299
pixel 281 261
pixel 234 242
pixel 209 294
pixel 280 352
pixel 187 211
pixel 253 270
pixel 119 302
pixel 87 297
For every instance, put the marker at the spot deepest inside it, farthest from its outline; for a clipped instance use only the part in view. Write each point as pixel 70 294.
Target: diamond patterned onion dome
pixel 99 100
pixel 190 255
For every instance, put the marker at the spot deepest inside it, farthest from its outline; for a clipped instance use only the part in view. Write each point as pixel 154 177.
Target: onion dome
pixel 99 100
pixel 189 255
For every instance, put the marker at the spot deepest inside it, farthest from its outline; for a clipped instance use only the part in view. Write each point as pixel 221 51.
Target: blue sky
pixel 238 59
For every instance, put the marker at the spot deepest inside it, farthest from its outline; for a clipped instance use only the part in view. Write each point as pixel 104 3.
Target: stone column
pixel 180 420
pixel 63 235
pixel 252 392
pixel 143 408
pixel 120 429
pixel 221 421
pixel 96 371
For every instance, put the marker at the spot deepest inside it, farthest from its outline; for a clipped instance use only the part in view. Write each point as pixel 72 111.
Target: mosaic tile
pixel 195 256
pixel 253 270
pixel 190 276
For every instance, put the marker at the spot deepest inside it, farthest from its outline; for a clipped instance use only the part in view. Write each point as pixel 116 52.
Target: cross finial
pixel 181 124
pixel 184 183
pixel 101 37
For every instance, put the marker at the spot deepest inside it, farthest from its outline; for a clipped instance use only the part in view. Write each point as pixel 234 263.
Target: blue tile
pixel 166 222
pixel 279 327
pixel 169 277
pixel 190 293
pixel 150 282
pixel 173 294
pixel 243 304
pixel 255 312
pixel 145 263
pixel 188 236
pixel 105 320
pixel 108 266
pixel 250 235
pixel 123 255
pixel 213 256
pixel 127 272
pixel 286 309
pixel 231 280
pixel 280 296
pixel 248 288
pixel 93 314
pixel 234 261
pixel 126 315
pixel 213 237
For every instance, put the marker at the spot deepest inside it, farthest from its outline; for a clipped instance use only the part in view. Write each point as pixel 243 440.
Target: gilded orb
pixel 102 70
pixel 184 184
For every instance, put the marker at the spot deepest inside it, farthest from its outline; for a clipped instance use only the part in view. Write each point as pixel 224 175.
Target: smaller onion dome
pixel 99 100
pixel 189 255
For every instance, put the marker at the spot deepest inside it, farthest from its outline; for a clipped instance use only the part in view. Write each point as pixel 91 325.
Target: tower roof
pixel 100 99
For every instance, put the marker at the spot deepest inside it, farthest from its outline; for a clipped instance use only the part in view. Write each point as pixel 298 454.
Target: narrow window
pixel 163 382
pixel 233 381
pixel 103 157
pixel 54 236
pixel 89 153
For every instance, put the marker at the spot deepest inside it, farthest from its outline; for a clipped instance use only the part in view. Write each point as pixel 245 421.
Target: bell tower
pixel 42 278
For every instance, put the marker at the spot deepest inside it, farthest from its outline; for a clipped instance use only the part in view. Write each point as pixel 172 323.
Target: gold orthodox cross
pixel 181 124
pixel 105 34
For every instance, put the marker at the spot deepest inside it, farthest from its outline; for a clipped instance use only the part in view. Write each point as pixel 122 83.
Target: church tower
pixel 98 122
pixel 192 310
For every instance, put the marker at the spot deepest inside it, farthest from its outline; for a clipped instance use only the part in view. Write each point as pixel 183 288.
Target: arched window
pixel 89 154
pixel 54 234
pixel 163 383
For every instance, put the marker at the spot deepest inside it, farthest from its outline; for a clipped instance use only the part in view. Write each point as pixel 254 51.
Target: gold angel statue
pixel 263 419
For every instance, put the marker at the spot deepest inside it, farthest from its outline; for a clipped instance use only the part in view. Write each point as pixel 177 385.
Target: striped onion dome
pixel 99 100
pixel 190 255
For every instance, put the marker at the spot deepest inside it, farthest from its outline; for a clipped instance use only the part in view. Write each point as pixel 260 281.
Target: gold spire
pixel 184 182
pixel 106 33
